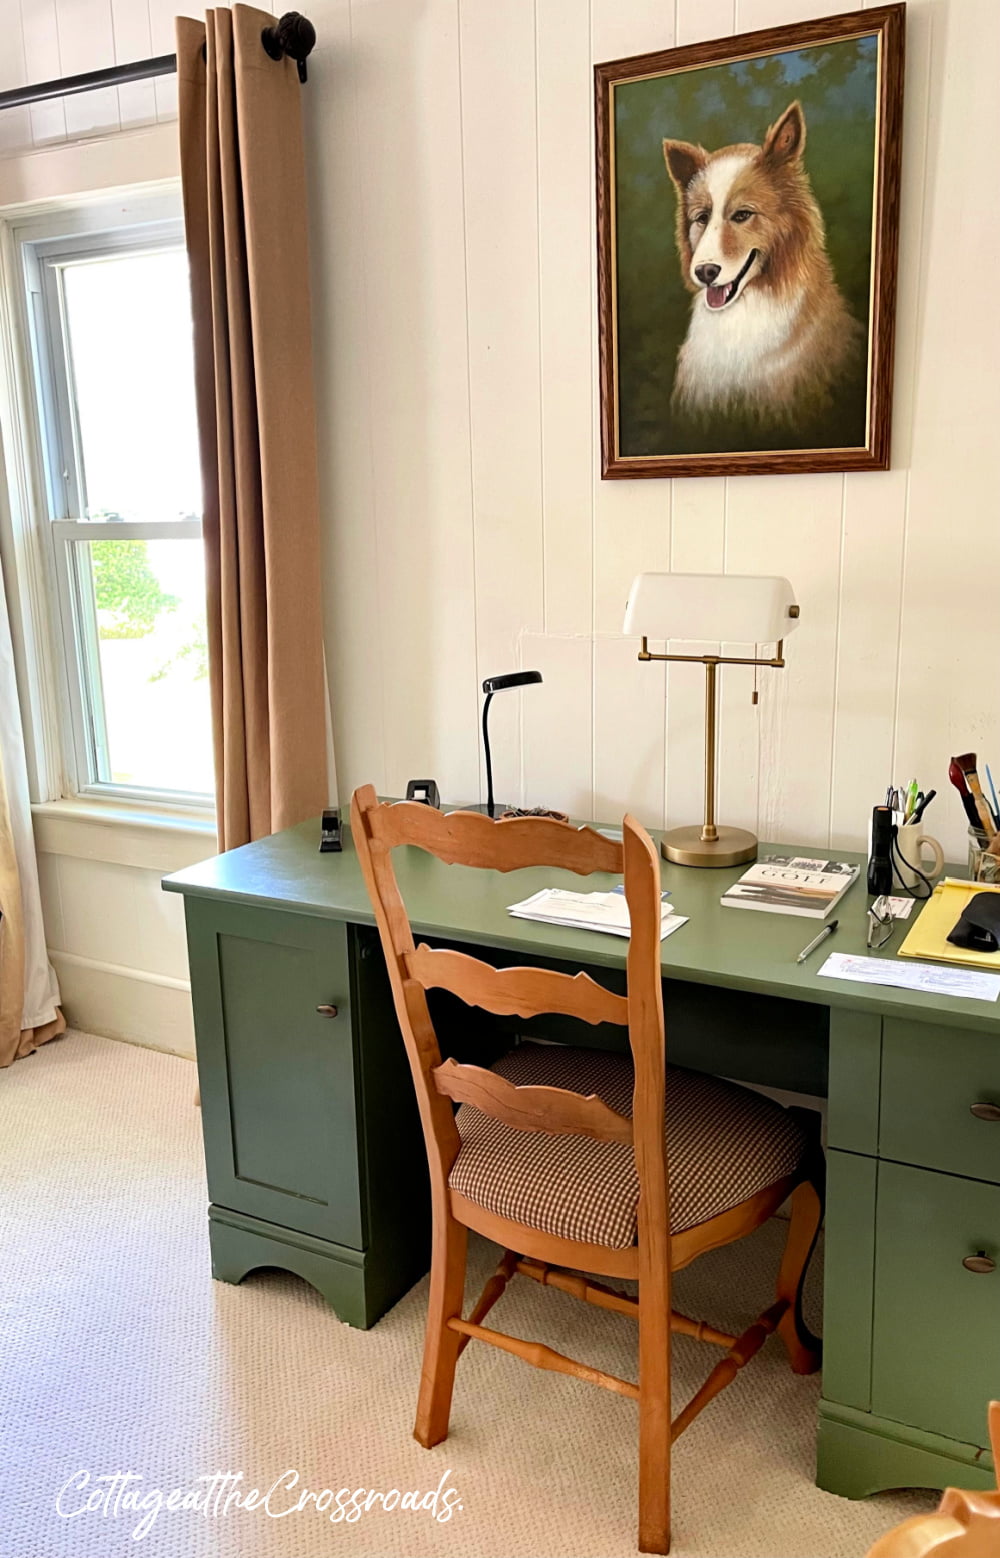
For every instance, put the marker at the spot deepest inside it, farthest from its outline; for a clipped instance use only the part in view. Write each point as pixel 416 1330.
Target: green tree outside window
pixel 127 591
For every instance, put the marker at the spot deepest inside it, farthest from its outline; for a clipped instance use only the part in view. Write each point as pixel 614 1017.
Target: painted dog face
pixel 739 209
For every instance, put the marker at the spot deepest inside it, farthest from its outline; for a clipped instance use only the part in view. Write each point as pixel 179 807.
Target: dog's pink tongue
pixel 717 296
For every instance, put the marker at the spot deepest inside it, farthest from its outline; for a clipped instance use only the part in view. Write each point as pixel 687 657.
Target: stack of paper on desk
pixel 938 918
pixel 589 911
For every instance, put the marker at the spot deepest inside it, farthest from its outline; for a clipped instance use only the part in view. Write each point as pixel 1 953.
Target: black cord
pixel 490 808
pixel 905 864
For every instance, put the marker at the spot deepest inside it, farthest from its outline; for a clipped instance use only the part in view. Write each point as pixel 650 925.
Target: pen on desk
pixel 827 930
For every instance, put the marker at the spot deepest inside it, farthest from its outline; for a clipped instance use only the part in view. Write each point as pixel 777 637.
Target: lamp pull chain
pixel 755 695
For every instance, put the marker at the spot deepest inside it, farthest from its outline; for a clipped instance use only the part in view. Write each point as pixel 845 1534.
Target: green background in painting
pixel 714 106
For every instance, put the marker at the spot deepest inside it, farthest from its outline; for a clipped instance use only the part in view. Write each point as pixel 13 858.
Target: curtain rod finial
pixel 293 35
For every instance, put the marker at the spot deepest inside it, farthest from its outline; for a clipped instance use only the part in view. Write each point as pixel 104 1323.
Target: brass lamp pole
pixel 710 844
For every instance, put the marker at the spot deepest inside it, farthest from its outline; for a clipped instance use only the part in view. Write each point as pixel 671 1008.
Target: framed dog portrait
pixel 747 202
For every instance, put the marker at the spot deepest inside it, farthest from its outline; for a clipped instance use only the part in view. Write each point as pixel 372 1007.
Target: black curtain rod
pixel 114 76
pixel 293 35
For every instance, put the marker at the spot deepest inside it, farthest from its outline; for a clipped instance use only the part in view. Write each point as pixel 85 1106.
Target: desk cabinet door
pixel 277 1076
pixel 936 1354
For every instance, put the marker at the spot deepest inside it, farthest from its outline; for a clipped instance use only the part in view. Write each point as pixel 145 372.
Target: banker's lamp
pixel 722 609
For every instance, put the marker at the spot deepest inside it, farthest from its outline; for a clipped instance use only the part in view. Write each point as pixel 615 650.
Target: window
pixel 109 328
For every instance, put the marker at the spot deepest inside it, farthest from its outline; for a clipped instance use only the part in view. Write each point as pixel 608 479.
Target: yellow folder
pixel 928 938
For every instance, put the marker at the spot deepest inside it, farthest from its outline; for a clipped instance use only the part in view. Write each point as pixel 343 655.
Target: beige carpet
pixel 118 1354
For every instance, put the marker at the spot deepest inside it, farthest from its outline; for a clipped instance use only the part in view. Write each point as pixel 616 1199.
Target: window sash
pixel 44 266
pixel 126 529
pixel 42 260
pixel 81 642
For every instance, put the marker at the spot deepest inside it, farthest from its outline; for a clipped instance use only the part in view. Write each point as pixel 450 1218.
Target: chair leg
pixel 654 1421
pixel 441 1345
pixel 804 1349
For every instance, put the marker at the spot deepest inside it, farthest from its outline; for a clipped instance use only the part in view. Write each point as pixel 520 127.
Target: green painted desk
pixel 315 1163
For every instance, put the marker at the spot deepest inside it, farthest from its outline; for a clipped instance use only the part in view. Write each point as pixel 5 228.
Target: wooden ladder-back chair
pixel 522 1134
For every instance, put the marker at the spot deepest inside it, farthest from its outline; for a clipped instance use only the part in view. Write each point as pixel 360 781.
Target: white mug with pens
pixel 911 870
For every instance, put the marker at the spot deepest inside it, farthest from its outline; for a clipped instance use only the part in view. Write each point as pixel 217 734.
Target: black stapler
pixel 330 841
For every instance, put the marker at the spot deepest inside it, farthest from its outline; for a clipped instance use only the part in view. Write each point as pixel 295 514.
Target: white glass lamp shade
pixel 730 608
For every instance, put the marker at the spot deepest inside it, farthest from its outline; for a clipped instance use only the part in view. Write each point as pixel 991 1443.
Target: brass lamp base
pixel 730 847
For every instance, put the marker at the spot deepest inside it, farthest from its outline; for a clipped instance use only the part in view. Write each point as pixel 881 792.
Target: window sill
pixel 149 839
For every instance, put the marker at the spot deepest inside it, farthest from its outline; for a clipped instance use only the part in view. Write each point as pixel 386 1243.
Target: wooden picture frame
pixel 775 156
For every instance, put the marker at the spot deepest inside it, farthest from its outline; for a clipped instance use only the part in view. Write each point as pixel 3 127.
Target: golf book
pixel 792 884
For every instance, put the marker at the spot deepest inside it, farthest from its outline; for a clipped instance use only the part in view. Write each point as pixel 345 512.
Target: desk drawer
pixel 936 1339
pixel 932 1077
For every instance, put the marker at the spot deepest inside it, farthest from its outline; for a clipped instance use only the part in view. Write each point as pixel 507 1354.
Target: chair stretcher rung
pixel 542 1357
pixel 726 1370
pixel 603 1297
pixel 589 1292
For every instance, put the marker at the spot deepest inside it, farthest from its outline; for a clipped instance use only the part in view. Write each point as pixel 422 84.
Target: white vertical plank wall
pixel 467 529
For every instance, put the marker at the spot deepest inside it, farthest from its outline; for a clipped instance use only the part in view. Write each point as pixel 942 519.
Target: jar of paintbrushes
pixel 984 817
pixel 983 866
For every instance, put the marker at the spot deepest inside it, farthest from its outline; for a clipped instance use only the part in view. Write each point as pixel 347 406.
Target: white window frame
pixel 60 686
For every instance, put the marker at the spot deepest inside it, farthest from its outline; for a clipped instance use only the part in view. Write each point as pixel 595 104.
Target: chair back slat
pixel 552 1109
pixel 515 992
pixel 470 838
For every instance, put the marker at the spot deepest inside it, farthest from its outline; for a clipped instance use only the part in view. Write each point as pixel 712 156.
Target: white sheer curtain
pixel 29 994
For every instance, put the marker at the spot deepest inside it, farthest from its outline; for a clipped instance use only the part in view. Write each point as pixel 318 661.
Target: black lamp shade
pixel 494 684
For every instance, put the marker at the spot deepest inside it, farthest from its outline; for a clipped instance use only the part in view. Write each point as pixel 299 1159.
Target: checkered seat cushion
pixel 724 1144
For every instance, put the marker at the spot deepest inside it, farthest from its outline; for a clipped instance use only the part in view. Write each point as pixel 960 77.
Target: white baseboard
pixel 153 1010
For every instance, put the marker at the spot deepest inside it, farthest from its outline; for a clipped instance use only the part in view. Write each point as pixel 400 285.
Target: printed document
pixel 931 978
pixel 606 912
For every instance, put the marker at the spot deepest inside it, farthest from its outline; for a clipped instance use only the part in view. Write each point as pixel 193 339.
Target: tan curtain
pixel 16 1039
pixel 243 173
pixel 29 991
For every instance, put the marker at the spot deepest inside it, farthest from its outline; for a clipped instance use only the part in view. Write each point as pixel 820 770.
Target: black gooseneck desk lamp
pixel 491 685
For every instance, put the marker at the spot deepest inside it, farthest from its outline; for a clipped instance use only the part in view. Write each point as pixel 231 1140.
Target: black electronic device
pixel 979 927
pixel 880 858
pixel 330 841
pixel 425 791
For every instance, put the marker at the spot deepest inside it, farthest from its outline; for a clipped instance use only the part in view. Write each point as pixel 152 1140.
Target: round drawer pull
pixel 980 1264
pixel 327 1011
pixel 985 1111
